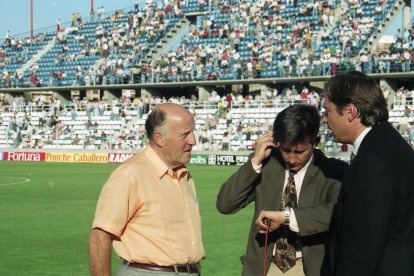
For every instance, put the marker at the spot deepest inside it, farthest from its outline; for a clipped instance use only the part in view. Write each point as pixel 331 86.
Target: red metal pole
pixel 31 18
pixel 92 9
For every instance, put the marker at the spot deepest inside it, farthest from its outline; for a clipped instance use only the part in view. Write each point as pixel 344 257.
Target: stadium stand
pixel 229 123
pixel 196 40
pixel 229 40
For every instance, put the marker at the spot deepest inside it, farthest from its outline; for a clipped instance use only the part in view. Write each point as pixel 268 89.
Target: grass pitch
pixel 46 212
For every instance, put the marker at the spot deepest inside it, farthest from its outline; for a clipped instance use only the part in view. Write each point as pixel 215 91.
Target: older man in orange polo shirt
pixel 148 208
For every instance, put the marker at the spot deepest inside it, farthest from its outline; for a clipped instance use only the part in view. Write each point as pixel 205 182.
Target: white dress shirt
pixel 359 139
pixel 298 178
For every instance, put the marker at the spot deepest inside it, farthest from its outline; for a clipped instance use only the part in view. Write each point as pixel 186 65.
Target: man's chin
pixel 186 158
pixel 336 139
pixel 294 168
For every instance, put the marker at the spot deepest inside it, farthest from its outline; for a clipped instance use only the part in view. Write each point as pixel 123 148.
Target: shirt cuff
pixel 293 224
pixel 257 168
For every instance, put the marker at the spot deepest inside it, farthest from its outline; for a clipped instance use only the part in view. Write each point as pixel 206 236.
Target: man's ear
pixel 158 138
pixel 351 112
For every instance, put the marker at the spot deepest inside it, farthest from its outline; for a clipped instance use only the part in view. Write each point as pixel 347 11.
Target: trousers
pixel 296 270
pixel 125 270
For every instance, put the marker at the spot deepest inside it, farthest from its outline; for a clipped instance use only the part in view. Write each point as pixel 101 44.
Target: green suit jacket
pixel 318 195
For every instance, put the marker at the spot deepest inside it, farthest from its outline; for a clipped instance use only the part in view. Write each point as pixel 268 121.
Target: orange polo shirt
pixel 154 214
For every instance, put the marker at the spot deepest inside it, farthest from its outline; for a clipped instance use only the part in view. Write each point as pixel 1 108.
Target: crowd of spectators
pixel 239 39
pixel 130 40
pixel 224 122
pixel 248 41
pixel 13 54
pixel 236 40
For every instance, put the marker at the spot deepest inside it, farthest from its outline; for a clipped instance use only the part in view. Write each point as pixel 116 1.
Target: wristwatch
pixel 286 214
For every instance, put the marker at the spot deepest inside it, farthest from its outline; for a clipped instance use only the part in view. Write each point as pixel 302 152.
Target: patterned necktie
pixel 285 253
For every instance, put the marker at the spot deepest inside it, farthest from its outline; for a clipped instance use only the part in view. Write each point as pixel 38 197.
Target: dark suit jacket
pixel 317 197
pixel 373 222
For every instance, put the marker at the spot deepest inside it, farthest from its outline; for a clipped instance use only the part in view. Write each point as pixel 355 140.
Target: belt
pixel 185 268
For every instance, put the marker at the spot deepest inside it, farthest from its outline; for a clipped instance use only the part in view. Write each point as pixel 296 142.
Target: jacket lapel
pixel 274 184
pixel 308 184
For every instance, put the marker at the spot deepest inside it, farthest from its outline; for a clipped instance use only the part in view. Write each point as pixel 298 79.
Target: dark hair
pixel 296 124
pixel 360 90
pixel 155 119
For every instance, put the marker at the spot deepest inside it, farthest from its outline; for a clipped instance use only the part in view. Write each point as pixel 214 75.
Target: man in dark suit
pixel 289 151
pixel 373 222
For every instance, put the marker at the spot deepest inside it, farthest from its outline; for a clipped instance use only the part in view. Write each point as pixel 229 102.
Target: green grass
pixel 45 222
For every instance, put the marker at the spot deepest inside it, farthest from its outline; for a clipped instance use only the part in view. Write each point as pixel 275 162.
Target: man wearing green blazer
pixel 288 153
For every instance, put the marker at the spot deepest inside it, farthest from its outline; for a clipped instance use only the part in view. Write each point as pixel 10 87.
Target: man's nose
pixel 291 158
pixel 192 139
